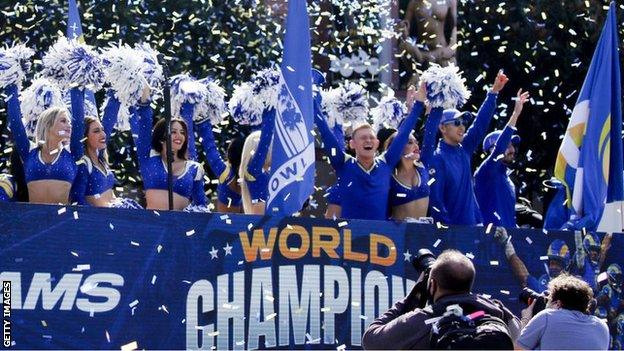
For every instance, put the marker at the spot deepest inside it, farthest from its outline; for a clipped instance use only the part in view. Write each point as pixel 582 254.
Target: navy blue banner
pixel 90 278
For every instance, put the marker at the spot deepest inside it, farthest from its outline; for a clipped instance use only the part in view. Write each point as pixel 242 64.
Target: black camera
pixel 528 295
pixel 422 262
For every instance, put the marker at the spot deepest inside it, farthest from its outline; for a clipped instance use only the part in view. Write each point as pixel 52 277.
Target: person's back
pixel 564 329
pixel 565 323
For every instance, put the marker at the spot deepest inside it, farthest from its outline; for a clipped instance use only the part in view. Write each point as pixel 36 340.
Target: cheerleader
pixel 188 176
pixel 255 166
pixel 49 166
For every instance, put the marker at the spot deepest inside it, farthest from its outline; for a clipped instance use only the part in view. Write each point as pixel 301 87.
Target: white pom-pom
pixel 389 113
pixel 330 106
pixel 446 87
pixel 38 97
pixel 244 107
pixel 152 69
pixel 347 104
pixel 123 70
pixel 186 89
pixel 215 101
pixel 266 86
pixel 14 64
pixel 69 63
pixel 197 208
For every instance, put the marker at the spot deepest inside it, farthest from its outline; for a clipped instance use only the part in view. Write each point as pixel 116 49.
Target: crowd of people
pixel 382 172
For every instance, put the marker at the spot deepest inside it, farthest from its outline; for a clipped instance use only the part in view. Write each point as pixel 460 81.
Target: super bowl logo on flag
pixel 293 138
pixel 292 164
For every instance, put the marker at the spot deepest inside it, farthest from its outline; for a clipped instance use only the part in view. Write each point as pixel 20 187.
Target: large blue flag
pixel 292 166
pixel 589 162
pixel 74 31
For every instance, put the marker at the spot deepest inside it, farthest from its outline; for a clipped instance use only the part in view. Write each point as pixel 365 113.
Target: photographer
pixel 565 323
pixel 411 325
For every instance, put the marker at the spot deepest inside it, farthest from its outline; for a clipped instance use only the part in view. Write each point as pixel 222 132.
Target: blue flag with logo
pixel 292 165
pixel 589 162
pixel 74 31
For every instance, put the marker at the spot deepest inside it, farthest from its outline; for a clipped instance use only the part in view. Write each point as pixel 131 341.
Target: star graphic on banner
pixel 407 255
pixel 228 249
pixel 213 253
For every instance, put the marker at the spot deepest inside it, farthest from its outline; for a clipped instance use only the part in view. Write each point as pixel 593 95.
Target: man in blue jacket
pixel 496 193
pixel 452 199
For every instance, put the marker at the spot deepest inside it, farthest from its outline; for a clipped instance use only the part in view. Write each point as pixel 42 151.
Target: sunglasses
pixel 458 122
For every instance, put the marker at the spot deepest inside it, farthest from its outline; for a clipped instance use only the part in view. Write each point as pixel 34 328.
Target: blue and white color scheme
pixel 74 31
pixel 589 162
pixel 292 167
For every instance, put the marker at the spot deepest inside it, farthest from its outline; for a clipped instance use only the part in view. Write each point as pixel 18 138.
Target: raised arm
pixel 395 150
pixel 254 168
pixel 515 263
pixel 332 146
pixel 77 117
pixel 142 128
pixel 186 111
pixel 476 132
pixel 339 134
pixel 15 122
pixel 505 137
pixel 429 138
pixel 204 130
pixel 437 210
pixel 111 111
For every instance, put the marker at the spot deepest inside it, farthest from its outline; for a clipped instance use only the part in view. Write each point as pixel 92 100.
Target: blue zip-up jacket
pixel 452 199
pixel 365 192
pixel 496 194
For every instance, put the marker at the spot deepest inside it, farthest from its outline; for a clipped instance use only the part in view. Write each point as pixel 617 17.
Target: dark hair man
pixel 450 282
pixel 565 324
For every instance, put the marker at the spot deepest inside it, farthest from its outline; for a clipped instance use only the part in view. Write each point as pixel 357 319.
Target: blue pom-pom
pixel 244 106
pixel 38 97
pixel 446 87
pixel 215 101
pixel 187 89
pixel 14 64
pixel 347 104
pixel 69 63
pixel 389 113
pixel 197 208
pixel 123 71
pixel 152 69
pixel 267 86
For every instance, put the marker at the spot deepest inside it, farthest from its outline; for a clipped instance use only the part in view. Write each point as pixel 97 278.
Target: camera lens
pixel 423 260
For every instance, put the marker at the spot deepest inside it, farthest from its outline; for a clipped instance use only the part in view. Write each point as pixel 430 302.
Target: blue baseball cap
pixel 453 114
pixel 490 139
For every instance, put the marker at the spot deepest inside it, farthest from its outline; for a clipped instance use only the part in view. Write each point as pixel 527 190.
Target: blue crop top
pixel 256 177
pixel 190 184
pixel 90 181
pixel 400 194
pixel 222 169
pixel 64 165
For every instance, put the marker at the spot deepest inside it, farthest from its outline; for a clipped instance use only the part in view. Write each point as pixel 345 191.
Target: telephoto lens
pixel 527 296
pixel 423 260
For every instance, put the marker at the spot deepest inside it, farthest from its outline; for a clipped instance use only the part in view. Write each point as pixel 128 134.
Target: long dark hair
pixel 102 156
pixel 159 136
